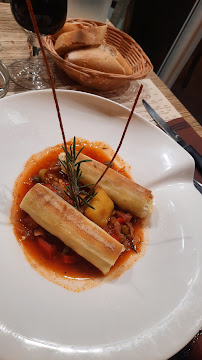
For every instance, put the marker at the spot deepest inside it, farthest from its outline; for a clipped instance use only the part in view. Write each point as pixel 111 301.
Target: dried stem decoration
pixel 30 8
pixel 73 188
pixel 122 137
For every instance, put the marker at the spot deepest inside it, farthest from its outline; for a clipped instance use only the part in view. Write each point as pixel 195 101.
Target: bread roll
pixel 79 38
pixel 114 52
pixel 70 27
pixel 64 221
pixel 96 59
pixel 124 192
pixel 105 58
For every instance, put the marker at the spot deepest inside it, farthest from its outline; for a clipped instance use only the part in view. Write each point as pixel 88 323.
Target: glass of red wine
pixel 50 17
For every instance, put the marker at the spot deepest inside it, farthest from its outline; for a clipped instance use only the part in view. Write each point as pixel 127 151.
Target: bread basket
pixel 98 80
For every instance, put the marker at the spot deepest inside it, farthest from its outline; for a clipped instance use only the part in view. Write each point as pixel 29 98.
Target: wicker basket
pixel 98 80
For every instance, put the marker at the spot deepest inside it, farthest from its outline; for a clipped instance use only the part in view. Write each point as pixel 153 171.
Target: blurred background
pixel 170 34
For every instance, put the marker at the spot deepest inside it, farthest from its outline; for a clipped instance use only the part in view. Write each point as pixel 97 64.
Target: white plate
pixel 152 310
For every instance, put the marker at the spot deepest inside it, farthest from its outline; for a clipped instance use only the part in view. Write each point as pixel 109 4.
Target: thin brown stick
pixel 58 110
pixel 30 8
pixel 121 141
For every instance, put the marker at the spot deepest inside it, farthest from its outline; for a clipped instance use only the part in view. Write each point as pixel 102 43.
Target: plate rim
pixel 28 93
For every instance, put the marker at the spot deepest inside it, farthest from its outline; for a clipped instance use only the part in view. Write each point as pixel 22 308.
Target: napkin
pixel 190 136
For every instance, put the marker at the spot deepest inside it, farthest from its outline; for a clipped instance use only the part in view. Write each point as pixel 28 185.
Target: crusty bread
pixel 112 50
pixel 123 63
pixel 79 38
pixel 71 27
pixel 96 59
pixel 105 58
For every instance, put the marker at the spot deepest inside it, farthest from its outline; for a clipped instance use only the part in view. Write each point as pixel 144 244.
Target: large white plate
pixel 151 311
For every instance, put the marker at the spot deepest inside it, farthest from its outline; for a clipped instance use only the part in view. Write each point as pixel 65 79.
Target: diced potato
pixel 42 174
pixel 62 158
pixel 103 207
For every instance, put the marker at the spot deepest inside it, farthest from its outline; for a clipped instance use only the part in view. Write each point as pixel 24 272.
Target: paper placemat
pixel 151 94
pixel 157 100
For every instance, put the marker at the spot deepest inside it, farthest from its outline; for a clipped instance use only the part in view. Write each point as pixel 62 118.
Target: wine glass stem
pixel 31 73
pixel 35 50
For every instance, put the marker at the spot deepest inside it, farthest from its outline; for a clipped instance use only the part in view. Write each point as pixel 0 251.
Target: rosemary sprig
pixel 75 191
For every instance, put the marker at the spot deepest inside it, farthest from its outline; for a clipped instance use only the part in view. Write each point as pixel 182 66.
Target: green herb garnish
pixel 75 191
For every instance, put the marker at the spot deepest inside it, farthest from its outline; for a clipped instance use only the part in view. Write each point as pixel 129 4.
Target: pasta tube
pixel 124 192
pixel 78 232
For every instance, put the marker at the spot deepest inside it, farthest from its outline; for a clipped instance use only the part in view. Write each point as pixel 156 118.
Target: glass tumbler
pixel 4 79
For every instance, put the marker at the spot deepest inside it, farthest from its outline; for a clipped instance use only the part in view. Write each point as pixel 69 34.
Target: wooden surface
pixel 13 40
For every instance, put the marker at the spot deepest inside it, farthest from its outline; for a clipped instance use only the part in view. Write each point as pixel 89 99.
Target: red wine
pixel 50 14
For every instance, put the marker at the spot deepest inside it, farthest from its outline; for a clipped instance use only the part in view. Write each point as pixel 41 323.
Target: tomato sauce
pixel 60 262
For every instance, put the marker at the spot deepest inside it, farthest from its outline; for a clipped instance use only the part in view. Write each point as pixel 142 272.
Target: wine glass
pixel 50 16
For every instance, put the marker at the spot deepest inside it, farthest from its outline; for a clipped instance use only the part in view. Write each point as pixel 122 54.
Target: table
pixel 13 40
pixel 14 46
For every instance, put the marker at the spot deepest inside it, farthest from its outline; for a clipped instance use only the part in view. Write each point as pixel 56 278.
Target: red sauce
pixel 20 220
